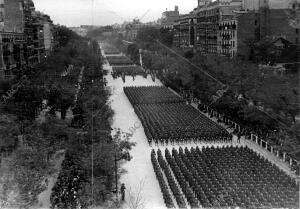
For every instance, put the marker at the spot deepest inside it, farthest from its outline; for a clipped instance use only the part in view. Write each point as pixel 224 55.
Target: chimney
pixel 176 8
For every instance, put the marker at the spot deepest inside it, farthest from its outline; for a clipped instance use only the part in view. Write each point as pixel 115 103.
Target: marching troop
pixel 221 177
pixel 167 119
pixel 225 177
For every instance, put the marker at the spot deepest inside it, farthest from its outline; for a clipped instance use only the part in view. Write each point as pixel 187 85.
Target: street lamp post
pixel 299 184
pixel 93 150
pixel 116 174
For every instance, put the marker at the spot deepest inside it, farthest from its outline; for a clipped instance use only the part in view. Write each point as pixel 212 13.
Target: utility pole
pixel 116 144
pixel 116 174
pixel 93 150
pixel 117 158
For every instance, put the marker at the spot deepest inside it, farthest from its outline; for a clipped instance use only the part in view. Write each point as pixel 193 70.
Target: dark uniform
pixel 123 191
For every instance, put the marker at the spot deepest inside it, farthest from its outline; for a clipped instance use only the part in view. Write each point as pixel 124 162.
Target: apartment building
pixel 48 30
pixel 25 36
pixel 184 31
pixel 236 32
pixel 169 17
pixel 226 27
pixel 214 28
pixel 12 38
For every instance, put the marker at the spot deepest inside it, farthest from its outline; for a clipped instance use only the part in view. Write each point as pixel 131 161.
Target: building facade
pixel 169 17
pixel 12 38
pixel 236 32
pixel 130 30
pixel 25 35
pixel 184 31
pixel 227 27
pixel 216 26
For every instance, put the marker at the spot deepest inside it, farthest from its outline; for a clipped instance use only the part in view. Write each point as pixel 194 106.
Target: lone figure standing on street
pixel 123 191
pixel 239 138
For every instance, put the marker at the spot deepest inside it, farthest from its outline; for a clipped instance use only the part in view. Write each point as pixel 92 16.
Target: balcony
pixel 226 46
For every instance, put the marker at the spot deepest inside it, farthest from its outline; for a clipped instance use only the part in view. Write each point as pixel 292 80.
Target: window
pixel 255 22
pixel 1 16
pixel 297 31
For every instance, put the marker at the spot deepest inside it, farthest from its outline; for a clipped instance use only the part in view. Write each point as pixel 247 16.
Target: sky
pixel 106 12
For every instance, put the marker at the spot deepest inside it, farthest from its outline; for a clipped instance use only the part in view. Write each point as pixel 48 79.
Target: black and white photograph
pixel 161 104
